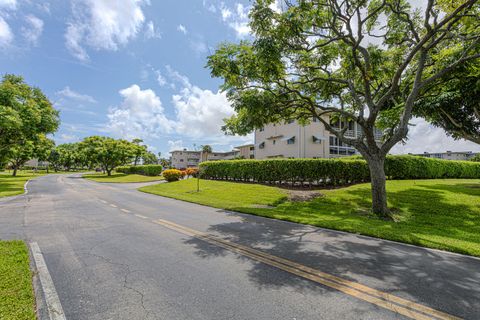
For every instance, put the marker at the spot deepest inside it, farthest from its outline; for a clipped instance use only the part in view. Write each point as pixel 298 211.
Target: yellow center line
pixel 385 300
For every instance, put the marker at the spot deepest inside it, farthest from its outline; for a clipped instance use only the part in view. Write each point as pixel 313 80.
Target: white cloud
pixel 103 25
pixel 175 145
pixel 160 78
pixel 67 138
pixel 176 76
pixel 182 29
pixel 140 115
pixel 237 19
pixel 6 35
pixel 71 94
pixel 151 32
pixel 423 137
pixel 8 4
pixel 226 13
pixel 200 113
pixel 33 30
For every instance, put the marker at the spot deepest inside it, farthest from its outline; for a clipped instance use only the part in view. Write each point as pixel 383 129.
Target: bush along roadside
pixel 145 170
pixel 335 171
pixel 173 175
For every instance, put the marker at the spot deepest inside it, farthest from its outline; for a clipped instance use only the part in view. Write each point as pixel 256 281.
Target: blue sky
pixel 135 68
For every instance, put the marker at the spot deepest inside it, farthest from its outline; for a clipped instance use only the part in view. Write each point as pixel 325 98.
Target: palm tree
pixel 206 149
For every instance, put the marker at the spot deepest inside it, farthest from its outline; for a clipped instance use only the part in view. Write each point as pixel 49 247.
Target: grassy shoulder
pixel 120 178
pixel 442 214
pixel 17 300
pixel 11 186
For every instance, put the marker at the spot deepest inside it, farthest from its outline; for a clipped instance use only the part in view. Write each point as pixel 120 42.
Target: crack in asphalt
pixel 128 272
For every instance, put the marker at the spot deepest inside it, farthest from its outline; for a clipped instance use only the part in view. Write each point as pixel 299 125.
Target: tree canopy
pixel 455 106
pixel 26 117
pixel 366 61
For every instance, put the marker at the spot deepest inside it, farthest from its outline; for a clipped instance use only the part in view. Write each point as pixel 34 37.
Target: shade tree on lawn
pixel 366 61
pixel 139 150
pixel 26 117
pixel 455 105
pixel 108 152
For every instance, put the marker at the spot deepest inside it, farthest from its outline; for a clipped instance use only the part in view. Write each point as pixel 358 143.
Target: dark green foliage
pixel 145 170
pixel 476 158
pixel 335 171
pixel 410 167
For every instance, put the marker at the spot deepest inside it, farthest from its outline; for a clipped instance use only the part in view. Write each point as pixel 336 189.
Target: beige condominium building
pixel 246 151
pixel 449 155
pixel 292 140
pixel 182 159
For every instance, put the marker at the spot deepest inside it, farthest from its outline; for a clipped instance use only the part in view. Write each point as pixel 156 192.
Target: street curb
pixel 48 302
pixel 40 303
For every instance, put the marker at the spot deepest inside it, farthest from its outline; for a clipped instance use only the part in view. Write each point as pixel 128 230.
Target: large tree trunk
pixel 376 165
pixel 14 171
pixel 109 172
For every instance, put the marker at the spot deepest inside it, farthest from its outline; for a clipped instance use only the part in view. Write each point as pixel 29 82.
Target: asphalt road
pixel 110 257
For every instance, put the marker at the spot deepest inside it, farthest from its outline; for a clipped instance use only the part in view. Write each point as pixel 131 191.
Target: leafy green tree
pixel 455 105
pixel 25 113
pixel 139 150
pixel 206 150
pixel 108 152
pixel 365 61
pixel 476 158
pixel 149 158
pixel 43 148
pixel 68 155
pixel 54 159
pixel 19 154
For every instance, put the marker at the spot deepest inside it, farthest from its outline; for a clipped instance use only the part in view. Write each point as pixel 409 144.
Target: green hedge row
pixel 145 170
pixel 335 171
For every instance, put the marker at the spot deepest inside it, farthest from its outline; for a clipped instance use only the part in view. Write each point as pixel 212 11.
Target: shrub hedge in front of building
pixel 144 170
pixel 335 171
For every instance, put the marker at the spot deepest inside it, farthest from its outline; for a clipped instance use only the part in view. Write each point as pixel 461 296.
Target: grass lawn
pixel 442 214
pixel 121 178
pixel 10 186
pixel 17 300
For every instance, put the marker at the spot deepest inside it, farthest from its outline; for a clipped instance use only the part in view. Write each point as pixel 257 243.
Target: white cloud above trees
pixel 103 25
pixel 6 34
pixel 33 29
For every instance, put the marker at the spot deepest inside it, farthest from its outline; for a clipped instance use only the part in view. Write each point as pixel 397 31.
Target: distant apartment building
pixel 182 159
pixel 293 140
pixel 449 155
pixel 246 151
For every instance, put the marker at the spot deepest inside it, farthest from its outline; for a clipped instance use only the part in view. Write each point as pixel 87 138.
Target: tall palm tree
pixel 206 149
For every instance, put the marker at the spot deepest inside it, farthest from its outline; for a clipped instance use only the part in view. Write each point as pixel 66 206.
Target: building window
pixel 252 156
pixel 252 148
pixel 316 139
pixel 291 140
pixel 351 125
pixel 261 129
pixel 314 119
pixel 274 141
pixel 290 121
pixel 261 145
pixel 181 160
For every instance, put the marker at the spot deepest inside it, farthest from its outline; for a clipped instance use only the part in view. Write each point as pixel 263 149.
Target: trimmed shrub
pixel 191 172
pixel 145 170
pixel 172 175
pixel 334 171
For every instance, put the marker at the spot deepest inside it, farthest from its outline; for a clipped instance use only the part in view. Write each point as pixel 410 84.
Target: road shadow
pixel 444 281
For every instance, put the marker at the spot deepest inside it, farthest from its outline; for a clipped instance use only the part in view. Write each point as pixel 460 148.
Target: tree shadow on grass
pixel 443 281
